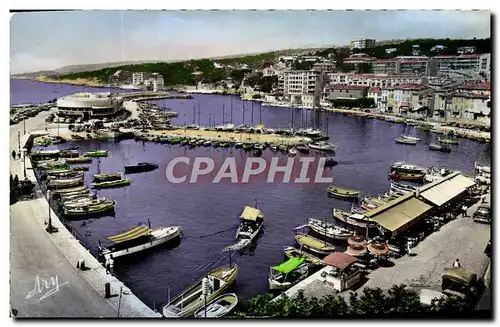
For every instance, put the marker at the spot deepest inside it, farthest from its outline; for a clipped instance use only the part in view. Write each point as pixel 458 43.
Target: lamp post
pixel 49 200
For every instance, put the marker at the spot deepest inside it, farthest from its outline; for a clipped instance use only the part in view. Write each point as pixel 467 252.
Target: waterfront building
pixel 351 92
pixel 376 94
pixel 386 66
pixel 138 78
pixel 89 105
pixel 363 44
pixel 470 106
pixel 299 85
pixel 375 80
pixel 407 97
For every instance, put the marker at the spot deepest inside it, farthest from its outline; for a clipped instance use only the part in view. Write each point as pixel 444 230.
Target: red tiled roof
pixel 375 90
pixel 404 61
pixel 347 87
pixel 478 86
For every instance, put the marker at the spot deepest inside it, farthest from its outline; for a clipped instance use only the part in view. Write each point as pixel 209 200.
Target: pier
pixel 38 255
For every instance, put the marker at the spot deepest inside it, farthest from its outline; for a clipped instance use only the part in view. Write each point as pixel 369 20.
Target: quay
pixel 36 254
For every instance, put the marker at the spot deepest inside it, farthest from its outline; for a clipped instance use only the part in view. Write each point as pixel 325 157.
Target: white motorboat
pixel 138 239
pixel 251 224
pixel 292 152
pixel 287 274
pixel 329 230
pixel 323 146
pixel 412 138
pixel 219 307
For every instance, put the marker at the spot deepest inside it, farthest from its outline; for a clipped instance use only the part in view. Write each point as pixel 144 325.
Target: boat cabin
pixel 340 271
pixel 251 219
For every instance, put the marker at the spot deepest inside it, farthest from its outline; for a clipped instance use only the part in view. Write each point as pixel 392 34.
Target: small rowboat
pixel 78 160
pixel 448 141
pixel 115 183
pixel 313 244
pixel 98 153
pixel 412 138
pixel 402 140
pixel 407 177
pixel 342 193
pixel 438 147
pixel 107 177
pixel 329 230
pixel 219 307
pixel 292 252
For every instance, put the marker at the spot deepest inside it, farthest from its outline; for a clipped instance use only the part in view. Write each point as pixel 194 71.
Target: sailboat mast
pixel 223 114
pixel 252 113
pixel 194 114
pixel 199 114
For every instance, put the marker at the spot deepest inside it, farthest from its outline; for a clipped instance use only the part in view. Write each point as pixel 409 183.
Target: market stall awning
pixel 402 215
pixel 251 213
pixel 290 265
pixel 130 234
pixel 447 190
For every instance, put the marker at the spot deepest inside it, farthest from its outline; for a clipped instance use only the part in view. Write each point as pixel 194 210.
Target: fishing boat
pixel 439 147
pixel 287 274
pixel 251 224
pixel 313 244
pixel 329 230
pixel 192 299
pixel 291 252
pixel 377 201
pixel 408 137
pixel 89 210
pixel 138 239
pixel 61 173
pixel 407 176
pixel 247 146
pixel 342 193
pixel 54 166
pixel 224 144
pixel 402 186
pixel 323 146
pixel 79 160
pixel 65 183
pixel 97 153
pixel 448 141
pixel 69 154
pixel 405 141
pixel 302 148
pixel 207 143
pixel 107 177
pixel 86 193
pixel 219 307
pixel 85 201
pixel 368 205
pixel 355 220
pixel 141 167
pixel 115 183
pixel 71 190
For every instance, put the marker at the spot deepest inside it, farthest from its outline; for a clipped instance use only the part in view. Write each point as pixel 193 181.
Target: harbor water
pixel 208 213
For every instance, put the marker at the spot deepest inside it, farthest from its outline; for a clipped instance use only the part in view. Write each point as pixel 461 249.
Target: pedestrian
pixel 14 154
pixel 107 266
pixel 111 264
pixel 408 248
pixel 464 211
pixel 456 263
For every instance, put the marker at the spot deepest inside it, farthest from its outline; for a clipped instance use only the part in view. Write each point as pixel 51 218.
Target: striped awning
pixel 130 234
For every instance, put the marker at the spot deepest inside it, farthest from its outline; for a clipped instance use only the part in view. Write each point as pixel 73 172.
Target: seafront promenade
pixel 37 256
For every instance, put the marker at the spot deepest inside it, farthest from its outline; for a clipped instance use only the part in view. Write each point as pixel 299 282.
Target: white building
pixel 375 80
pixel 466 50
pixel 363 44
pixel 300 85
pixel 139 78
pixel 89 105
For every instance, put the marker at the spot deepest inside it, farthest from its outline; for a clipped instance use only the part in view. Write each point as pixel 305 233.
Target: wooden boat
pixel 115 183
pixel 224 144
pixel 85 201
pixel 141 167
pixel 58 172
pixel 69 154
pixel 250 226
pixel 342 193
pixel 80 168
pixel 78 160
pixel 408 137
pixel 219 307
pixel 90 210
pixel 402 186
pixel 329 230
pixel 66 175
pixel 323 146
pixel 375 201
pixel 65 183
pixel 71 190
pixel 291 252
pixel 356 220
pixel 138 239
pixel 287 274
pixel 405 141
pixel 77 195
pixel 238 144
pixel 207 143
pixel 406 176
pixel 107 177
pixel 313 244
pixel 438 147
pixel 98 153
pixel 55 166
pixel 448 141
pixel 191 300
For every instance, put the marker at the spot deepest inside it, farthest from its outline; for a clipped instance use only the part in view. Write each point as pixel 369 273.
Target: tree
pixel 267 83
pixel 364 68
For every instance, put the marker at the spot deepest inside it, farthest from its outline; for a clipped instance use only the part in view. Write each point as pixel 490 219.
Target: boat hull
pixel 324 249
pixel 407 177
pixel 165 235
pixel 213 312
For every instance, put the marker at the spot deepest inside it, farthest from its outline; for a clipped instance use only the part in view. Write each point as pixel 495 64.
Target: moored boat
pixel 329 230
pixel 323 146
pixel 355 220
pixel 291 252
pixel 342 193
pixel 219 307
pixel 140 167
pixel 107 177
pixel 65 183
pixel 70 190
pixel 408 137
pixel 287 274
pixel 406 176
pixel 114 183
pixel 439 147
pixel 313 244
pixel 97 153
pixel 89 210
pixel 192 299
pixel 448 141
pixel 302 148
pixel 138 239
pixel 78 160
pixel 402 140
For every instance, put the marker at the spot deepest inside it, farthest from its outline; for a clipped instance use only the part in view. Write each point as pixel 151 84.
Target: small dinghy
pixel 219 307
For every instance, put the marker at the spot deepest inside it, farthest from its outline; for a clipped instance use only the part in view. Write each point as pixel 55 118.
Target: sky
pixel 50 40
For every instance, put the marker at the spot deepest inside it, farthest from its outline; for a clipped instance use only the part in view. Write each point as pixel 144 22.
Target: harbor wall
pixel 128 304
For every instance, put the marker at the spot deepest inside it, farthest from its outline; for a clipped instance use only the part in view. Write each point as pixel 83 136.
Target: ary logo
pixel 45 287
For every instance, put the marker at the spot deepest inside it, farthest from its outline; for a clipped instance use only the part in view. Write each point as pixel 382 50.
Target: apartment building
pixel 386 66
pixel 324 66
pixel 376 94
pixel 402 98
pixel 466 62
pixel 470 107
pixel 359 58
pixel 139 78
pixel 418 65
pixel 155 81
pixel 483 88
pixel 362 44
pixel 300 85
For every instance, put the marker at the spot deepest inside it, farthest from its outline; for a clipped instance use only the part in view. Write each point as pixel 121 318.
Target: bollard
pixel 82 264
pixel 78 264
pixel 107 290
